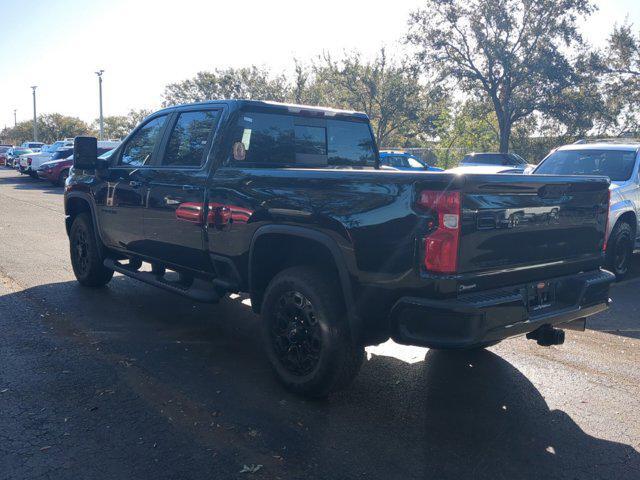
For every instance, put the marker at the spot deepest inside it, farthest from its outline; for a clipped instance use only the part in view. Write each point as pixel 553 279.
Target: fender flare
pixel 355 323
pixel 92 207
pixel 617 210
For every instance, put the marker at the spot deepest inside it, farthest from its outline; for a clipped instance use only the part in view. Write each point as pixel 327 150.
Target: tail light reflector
pixel 441 245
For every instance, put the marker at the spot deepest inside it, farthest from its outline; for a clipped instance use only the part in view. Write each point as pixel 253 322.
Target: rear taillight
pixel 606 228
pixel 441 246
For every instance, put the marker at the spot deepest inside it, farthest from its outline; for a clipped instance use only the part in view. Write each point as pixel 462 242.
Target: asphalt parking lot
pixel 132 382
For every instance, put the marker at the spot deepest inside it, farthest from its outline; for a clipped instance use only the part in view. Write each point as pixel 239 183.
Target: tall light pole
pixel 15 121
pixel 35 123
pixel 99 74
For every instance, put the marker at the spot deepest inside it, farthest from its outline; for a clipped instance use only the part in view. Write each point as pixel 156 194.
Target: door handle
pixel 189 187
pixel 135 184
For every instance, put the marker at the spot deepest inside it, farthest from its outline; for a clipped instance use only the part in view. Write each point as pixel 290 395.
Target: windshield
pixel 62 154
pixel 615 164
pixel 106 155
pixel 415 163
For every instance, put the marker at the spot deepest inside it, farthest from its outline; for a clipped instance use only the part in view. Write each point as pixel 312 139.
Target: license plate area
pixel 541 296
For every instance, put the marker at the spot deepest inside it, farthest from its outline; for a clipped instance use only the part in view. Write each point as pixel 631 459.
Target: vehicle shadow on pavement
pixel 482 418
pixel 25 182
pixel 623 316
pixel 172 366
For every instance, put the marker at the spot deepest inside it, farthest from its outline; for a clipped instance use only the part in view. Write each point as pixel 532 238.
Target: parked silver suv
pixel 620 161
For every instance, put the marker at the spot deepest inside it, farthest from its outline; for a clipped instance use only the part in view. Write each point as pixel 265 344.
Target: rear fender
pixel 355 323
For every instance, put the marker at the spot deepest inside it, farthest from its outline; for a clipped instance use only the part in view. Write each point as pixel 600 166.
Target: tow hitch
pixel 546 336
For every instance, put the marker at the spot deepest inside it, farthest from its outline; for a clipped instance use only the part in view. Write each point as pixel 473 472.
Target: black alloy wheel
pixel 295 333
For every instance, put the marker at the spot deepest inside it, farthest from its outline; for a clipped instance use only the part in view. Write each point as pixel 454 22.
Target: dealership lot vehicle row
pixel 138 374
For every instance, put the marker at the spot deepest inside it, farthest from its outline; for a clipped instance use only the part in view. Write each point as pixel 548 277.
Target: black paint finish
pixel 206 220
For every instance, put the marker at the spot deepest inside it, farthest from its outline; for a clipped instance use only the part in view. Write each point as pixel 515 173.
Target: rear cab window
pixel 266 139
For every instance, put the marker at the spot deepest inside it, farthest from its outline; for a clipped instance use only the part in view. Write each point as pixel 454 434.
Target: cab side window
pixel 139 148
pixel 189 137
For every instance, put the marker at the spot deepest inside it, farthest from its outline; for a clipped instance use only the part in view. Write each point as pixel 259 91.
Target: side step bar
pixel 200 290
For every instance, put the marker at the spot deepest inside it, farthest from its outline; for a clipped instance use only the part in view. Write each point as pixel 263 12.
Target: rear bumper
pixel 490 316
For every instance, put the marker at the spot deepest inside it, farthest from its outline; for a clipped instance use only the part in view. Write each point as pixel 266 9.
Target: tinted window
pixel 311 140
pixel 517 159
pixel 487 159
pixel 139 148
pixel 615 164
pixel 287 139
pixel 393 161
pixel 350 143
pixel 62 154
pixel 415 163
pixel 264 138
pixel 189 138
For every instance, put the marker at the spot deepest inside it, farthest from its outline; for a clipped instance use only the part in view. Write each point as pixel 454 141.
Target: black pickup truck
pixel 287 204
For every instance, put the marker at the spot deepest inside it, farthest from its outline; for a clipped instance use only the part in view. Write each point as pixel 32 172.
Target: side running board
pixel 199 290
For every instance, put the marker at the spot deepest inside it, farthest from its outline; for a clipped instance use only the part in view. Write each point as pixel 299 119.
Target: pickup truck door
pixel 122 195
pixel 175 215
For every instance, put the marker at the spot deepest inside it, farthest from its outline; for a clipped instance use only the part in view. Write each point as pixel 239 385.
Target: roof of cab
pixel 277 106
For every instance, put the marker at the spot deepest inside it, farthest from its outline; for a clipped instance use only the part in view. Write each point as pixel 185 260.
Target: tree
pixel 51 127
pixel 249 83
pixel 511 52
pixel 467 127
pixel 119 126
pixel 400 106
pixel 617 68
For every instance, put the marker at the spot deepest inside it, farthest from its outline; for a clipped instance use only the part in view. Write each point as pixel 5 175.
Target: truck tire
pixel 85 254
pixel 306 335
pixel 620 250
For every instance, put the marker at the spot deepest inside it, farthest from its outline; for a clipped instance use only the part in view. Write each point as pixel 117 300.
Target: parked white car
pixel 29 163
pixel 620 161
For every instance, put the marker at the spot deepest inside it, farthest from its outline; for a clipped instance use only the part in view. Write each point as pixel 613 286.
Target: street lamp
pixel 35 123
pixel 15 121
pixel 99 74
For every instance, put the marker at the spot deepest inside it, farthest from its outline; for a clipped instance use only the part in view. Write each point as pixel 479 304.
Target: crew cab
pixel 287 203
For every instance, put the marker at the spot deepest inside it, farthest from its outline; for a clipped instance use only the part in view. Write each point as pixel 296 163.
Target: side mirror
pixel 85 153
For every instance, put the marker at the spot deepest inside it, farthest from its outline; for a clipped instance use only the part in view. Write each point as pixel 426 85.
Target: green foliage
pixel 51 127
pixel 248 83
pixel 617 69
pixel 510 52
pixel 402 109
pixel 468 127
pixel 119 126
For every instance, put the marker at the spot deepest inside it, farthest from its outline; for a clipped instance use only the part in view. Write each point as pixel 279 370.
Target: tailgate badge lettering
pixel 464 288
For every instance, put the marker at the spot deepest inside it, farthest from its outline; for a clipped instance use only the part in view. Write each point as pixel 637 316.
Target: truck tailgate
pixel 526 220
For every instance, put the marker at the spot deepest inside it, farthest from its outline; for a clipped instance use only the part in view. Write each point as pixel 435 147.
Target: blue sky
pixel 143 45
